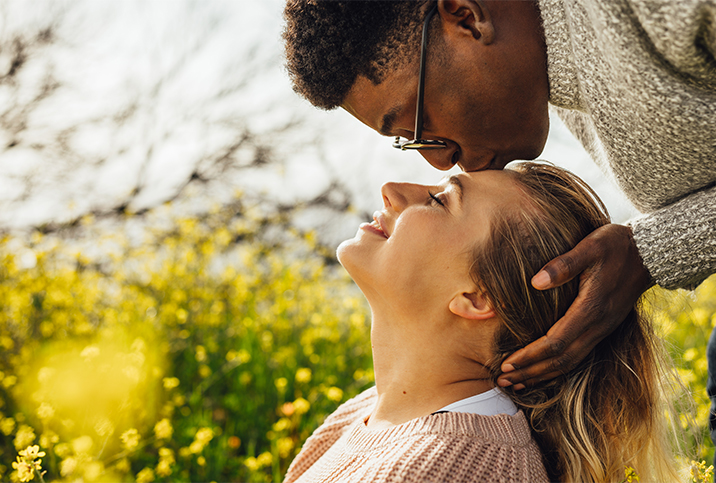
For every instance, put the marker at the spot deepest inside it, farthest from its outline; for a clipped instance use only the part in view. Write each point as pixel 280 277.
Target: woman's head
pixel 471 254
pixel 415 257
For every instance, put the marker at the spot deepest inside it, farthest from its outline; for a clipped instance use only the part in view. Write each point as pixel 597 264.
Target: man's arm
pixel 676 245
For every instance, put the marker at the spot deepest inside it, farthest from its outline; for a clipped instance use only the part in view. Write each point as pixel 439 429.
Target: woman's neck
pixel 419 371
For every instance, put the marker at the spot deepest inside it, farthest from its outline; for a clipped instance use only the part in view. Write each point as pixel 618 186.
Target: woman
pixel 446 271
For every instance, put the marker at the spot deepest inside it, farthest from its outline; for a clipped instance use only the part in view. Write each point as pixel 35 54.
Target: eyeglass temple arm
pixel 421 79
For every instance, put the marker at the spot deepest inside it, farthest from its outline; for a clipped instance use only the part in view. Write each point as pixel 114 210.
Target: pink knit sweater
pixel 446 447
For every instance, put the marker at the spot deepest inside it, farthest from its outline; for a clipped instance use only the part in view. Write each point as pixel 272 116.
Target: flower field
pixel 204 350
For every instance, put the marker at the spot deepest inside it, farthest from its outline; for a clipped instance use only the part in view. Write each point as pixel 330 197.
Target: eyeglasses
pixel 419 143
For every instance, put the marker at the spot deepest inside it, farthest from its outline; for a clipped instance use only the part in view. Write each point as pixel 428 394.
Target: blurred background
pixel 170 304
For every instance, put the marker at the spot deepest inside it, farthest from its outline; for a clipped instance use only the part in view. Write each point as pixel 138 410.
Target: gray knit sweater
pixel 635 82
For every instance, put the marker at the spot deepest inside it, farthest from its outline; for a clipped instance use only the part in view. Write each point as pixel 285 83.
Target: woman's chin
pixel 350 257
pixel 343 252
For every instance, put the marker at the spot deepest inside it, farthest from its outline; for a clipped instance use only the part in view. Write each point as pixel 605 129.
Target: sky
pixel 148 90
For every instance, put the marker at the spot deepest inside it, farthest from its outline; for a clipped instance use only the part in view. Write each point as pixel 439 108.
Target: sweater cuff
pixel 678 243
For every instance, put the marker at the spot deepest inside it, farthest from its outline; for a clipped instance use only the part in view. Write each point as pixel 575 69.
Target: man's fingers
pixel 541 371
pixel 562 269
pixel 553 344
pixel 536 380
pixel 559 351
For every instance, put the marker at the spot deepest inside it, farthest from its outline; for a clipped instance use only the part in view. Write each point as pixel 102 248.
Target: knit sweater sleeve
pixel 683 32
pixel 678 243
pixel 645 113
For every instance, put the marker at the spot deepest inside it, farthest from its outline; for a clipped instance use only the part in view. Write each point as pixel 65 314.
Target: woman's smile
pixel 377 226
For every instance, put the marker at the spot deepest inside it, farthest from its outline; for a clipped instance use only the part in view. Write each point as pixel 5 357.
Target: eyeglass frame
pixel 417 142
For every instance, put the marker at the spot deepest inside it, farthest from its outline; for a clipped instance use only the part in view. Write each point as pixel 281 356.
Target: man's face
pixel 488 103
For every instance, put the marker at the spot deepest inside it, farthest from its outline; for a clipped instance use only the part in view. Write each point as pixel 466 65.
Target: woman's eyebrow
pixel 454 180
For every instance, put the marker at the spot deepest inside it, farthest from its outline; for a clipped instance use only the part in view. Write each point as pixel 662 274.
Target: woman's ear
pixel 472 306
pixel 470 16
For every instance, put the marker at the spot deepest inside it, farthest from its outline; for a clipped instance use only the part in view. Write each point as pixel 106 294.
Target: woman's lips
pixel 369 227
pixel 377 226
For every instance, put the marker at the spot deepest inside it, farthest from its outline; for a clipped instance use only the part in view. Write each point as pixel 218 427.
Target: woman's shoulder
pixel 332 429
pixel 477 448
pixel 356 407
pixel 455 447
pixel 501 429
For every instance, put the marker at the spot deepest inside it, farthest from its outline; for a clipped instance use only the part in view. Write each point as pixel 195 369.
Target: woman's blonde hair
pixel 606 414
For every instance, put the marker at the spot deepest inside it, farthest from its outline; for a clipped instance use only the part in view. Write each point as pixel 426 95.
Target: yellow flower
pixel 31 453
pixel 282 424
pixel 82 445
pixel 285 445
pixel 130 439
pixel 630 475
pixel 204 435
pixel 145 476
pixel 264 459
pixel 163 429
pixel 9 381
pixel 700 473
pixel 163 468
pixel 25 471
pixel 45 411
pixel 201 439
pixel 281 383
pixel 93 470
pixel 24 437
pixel 166 454
pixel 7 426
pixel 196 447
pixel 200 353
pixel 335 394
pixel 48 438
pixel 251 463
pixel 303 375
pixel 170 383
pixel 301 406
pixel 63 450
pixel 68 466
pixel 123 466
pixel 204 371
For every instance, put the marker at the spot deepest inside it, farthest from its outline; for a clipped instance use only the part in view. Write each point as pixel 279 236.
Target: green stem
pixel 37 472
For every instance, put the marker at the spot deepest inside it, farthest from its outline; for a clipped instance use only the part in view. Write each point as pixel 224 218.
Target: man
pixel 634 80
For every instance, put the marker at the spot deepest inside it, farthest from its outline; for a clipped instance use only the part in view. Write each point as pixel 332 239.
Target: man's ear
pixel 472 306
pixel 469 15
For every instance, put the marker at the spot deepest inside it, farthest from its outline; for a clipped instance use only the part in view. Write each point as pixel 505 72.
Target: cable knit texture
pixel 454 447
pixel 635 81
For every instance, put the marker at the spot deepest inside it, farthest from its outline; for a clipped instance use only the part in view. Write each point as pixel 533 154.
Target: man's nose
pixel 442 159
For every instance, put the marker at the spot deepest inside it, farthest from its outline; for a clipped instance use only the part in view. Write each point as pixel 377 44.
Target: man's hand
pixel 612 277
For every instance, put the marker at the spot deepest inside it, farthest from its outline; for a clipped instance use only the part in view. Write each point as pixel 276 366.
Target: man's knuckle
pixel 565 264
pixel 556 345
pixel 561 364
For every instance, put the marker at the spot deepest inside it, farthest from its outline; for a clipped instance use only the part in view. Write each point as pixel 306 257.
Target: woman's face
pixel 416 254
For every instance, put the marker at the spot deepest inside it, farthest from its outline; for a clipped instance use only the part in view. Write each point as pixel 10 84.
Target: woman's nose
pixel 399 196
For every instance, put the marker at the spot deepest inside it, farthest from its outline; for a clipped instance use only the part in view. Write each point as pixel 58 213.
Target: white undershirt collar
pixel 488 403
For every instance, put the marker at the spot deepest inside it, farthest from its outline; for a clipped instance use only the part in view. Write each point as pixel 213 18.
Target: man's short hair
pixel 330 43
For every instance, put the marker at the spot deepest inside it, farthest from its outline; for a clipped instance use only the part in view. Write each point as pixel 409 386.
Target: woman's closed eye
pixel 435 199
